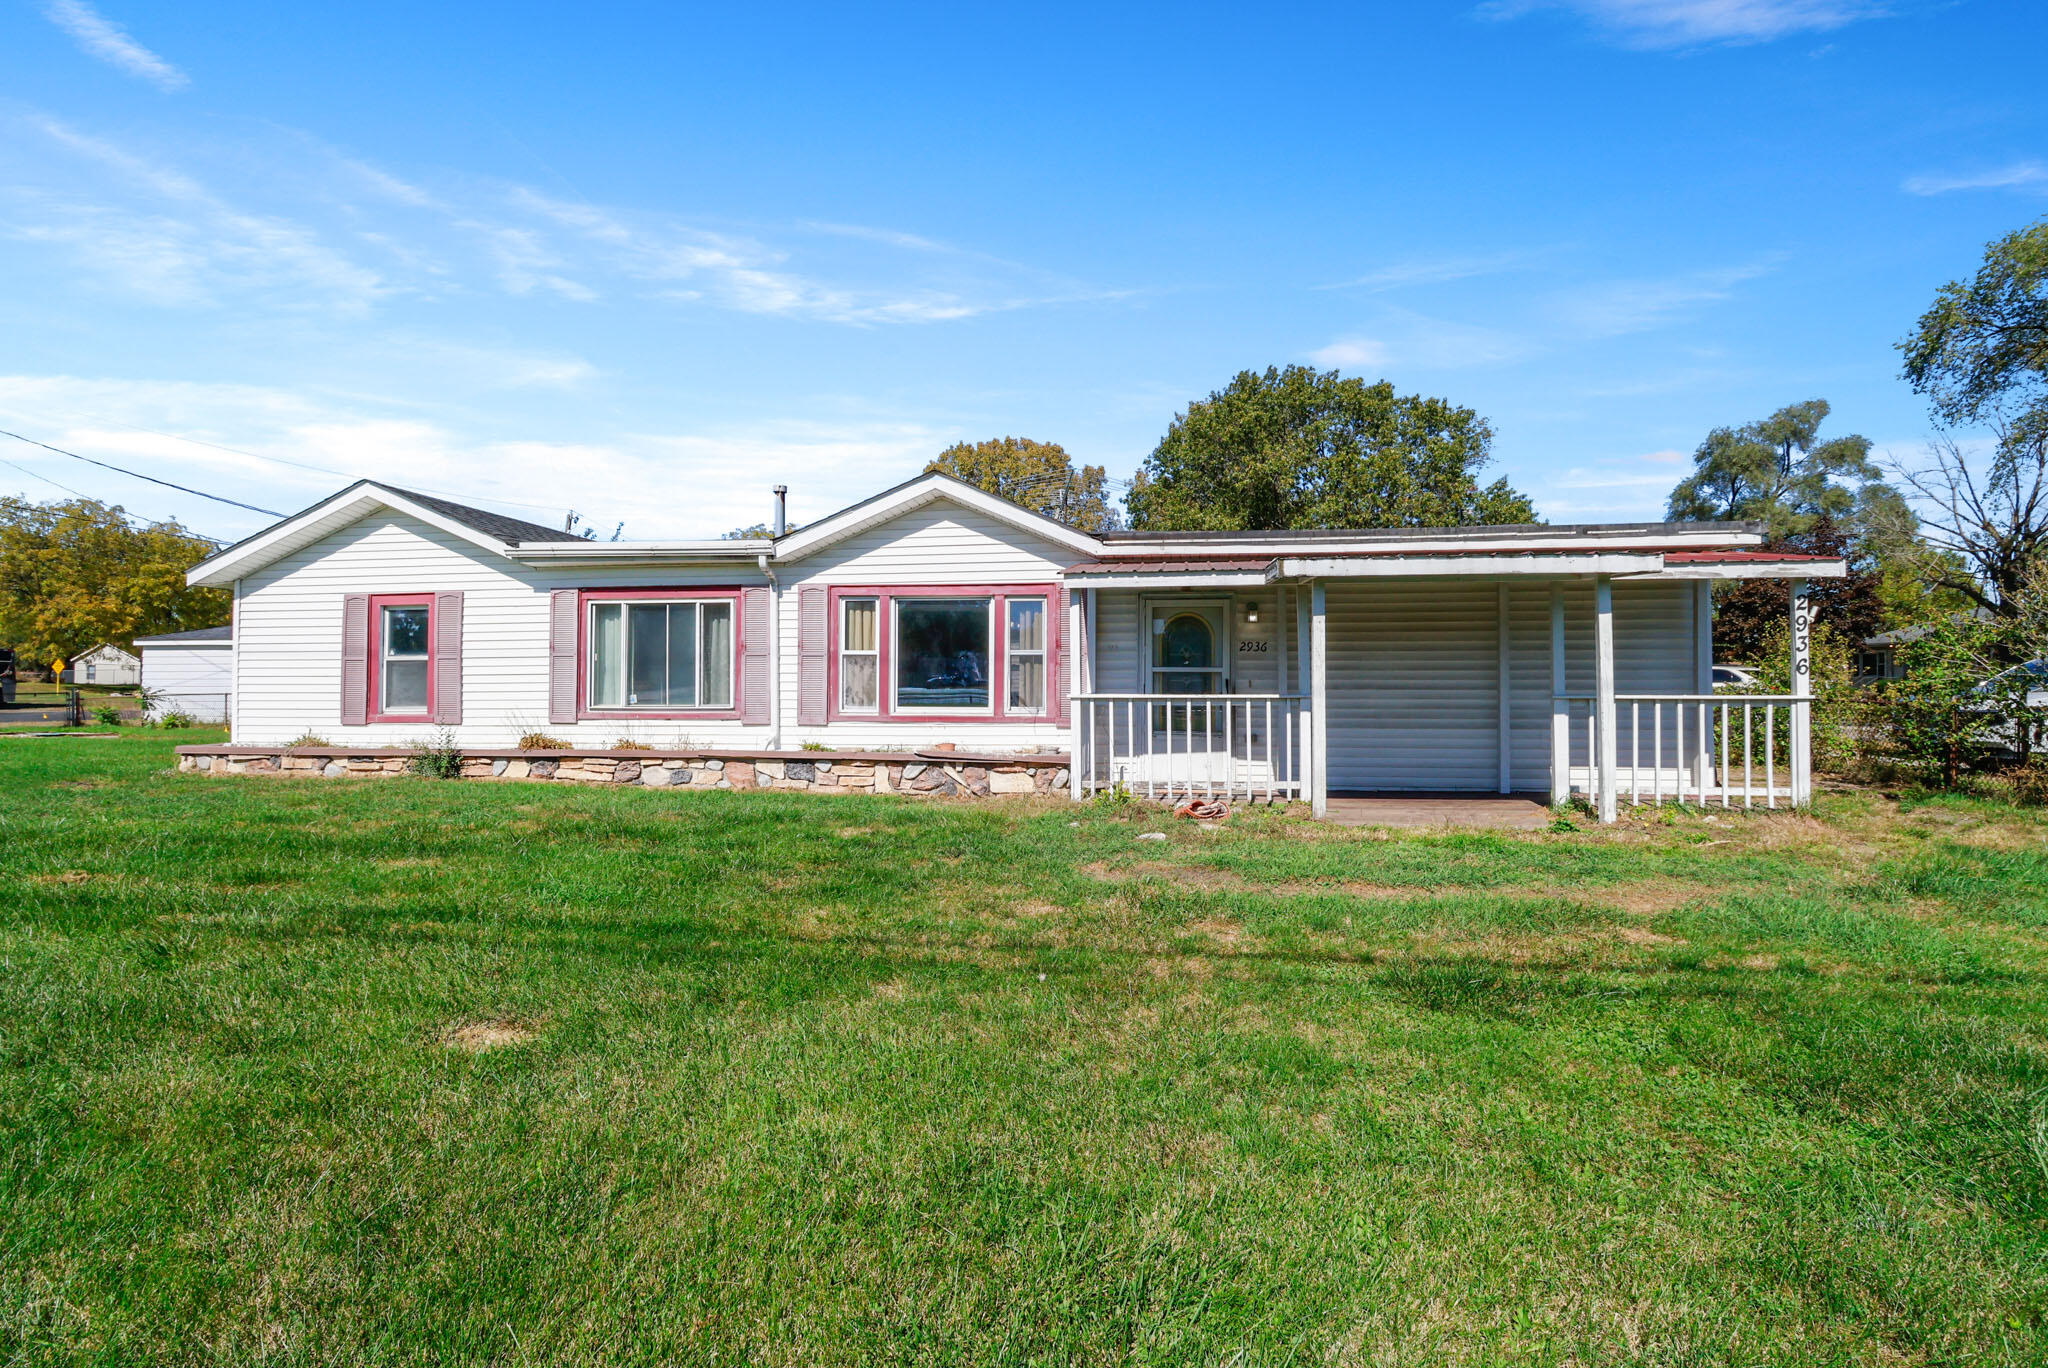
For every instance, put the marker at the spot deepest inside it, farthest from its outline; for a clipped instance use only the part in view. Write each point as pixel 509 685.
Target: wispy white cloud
pixel 182 243
pixel 1405 339
pixel 285 448
pixel 355 234
pixel 1433 271
pixel 1616 308
pixel 1355 353
pixel 750 276
pixel 108 41
pixel 1623 487
pixel 1695 23
pixel 2021 175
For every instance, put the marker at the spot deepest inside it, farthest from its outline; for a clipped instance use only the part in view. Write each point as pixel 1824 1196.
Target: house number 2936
pixel 1252 647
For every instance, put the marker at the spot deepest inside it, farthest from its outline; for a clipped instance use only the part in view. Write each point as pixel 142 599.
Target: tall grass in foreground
pixel 419 1072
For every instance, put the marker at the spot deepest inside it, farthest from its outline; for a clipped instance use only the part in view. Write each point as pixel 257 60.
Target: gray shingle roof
pixel 507 530
pixel 196 634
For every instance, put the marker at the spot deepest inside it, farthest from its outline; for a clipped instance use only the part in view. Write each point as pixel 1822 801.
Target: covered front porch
pixel 1318 680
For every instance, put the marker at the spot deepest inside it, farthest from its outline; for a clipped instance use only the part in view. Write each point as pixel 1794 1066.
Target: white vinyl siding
pixel 938 543
pixel 1124 646
pixel 1414 669
pixel 288 638
pixel 195 678
pixel 1414 685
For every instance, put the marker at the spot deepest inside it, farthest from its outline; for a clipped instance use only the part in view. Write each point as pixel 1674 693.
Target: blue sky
pixel 646 261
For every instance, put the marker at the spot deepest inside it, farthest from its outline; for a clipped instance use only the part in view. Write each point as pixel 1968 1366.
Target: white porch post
pixel 1603 670
pixel 1560 711
pixel 1319 693
pixel 1504 687
pixel 1081 662
pixel 1703 683
pixel 1802 689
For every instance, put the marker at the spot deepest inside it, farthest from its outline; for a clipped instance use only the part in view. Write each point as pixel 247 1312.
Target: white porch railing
pixel 1159 745
pixel 1728 749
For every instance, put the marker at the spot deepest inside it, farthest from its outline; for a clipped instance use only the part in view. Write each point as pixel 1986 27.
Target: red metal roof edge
pixel 1165 565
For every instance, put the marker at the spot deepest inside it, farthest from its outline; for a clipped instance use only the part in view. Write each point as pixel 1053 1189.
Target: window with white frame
pixel 403 658
pixel 860 655
pixel 660 653
pixel 1025 650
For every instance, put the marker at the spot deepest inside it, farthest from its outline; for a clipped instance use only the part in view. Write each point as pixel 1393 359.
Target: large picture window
pixel 660 654
pixel 943 653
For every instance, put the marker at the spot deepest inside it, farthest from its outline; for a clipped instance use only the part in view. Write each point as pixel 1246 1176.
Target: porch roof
pixel 1255 570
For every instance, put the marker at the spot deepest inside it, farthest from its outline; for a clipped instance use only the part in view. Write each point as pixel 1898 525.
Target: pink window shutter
pixel 754 635
pixel 448 658
pixel 355 659
pixel 563 613
pixel 1063 654
pixel 813 645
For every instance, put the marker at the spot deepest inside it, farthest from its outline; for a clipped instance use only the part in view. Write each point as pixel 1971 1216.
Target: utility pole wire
pixel 136 474
pixel 132 518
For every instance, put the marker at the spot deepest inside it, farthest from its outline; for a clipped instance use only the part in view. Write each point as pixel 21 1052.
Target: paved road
pixel 19 714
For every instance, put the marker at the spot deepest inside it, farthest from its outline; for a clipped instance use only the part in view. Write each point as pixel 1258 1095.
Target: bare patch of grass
pixel 479 1036
pixel 69 876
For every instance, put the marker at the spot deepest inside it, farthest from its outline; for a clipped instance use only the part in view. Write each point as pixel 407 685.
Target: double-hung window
pixel 938 654
pixel 1026 646
pixel 402 656
pixel 661 654
pixel 860 655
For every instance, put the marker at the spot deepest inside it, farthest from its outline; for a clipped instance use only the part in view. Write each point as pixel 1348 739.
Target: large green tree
pixel 78 572
pixel 1039 475
pixel 1299 448
pixel 1781 473
pixel 1980 355
pixel 1982 349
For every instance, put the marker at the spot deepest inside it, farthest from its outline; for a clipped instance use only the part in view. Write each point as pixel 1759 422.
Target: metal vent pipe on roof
pixel 781 509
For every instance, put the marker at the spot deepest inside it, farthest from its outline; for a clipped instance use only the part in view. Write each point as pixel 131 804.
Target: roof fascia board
pixel 1566 563
pixel 1195 579
pixel 1620 539
pixel 350 505
pixel 914 494
pixel 750 549
pixel 1736 570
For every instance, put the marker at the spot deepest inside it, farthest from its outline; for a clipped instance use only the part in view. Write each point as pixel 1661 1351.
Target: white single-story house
pixel 106 663
pixel 189 672
pixel 1269 665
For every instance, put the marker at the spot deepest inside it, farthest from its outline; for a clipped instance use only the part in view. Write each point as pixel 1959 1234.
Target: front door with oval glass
pixel 1190 655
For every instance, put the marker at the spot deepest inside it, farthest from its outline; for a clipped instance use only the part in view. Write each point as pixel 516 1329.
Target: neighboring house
pixel 1877 657
pixel 189 672
pixel 1297 664
pixel 106 664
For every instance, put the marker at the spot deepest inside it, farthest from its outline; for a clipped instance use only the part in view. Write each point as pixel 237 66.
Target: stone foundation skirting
pixel 934 773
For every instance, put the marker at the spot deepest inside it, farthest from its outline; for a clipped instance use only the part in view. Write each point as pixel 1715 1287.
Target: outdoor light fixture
pixel 1251 611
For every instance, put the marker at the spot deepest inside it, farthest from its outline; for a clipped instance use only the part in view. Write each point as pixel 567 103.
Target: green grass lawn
pixel 435 1073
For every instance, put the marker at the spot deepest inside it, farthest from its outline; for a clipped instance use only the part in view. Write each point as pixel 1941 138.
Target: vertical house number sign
pixel 1802 633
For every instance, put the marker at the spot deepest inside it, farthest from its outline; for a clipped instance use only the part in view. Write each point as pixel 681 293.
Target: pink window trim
pixel 728 593
pixel 373 700
pixel 999 650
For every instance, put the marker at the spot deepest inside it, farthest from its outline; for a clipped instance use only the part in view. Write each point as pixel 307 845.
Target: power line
pixel 136 474
pixel 304 465
pixel 33 475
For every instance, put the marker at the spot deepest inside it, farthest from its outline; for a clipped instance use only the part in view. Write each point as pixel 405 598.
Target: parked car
pixel 2027 686
pixel 1738 676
